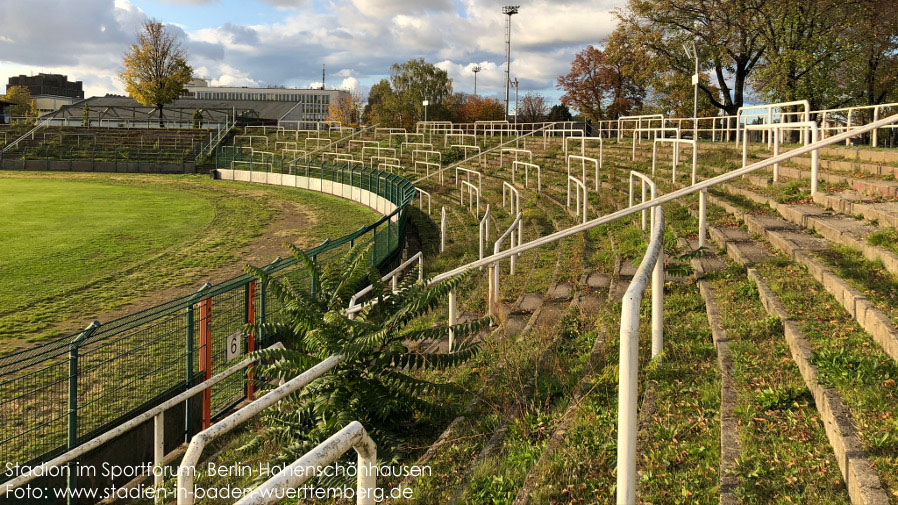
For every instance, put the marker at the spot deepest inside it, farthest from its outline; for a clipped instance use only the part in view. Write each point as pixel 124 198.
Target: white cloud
pixel 230 76
pixel 349 84
pixel 358 39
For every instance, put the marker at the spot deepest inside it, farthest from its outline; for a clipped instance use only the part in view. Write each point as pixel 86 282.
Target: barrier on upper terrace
pixel 61 393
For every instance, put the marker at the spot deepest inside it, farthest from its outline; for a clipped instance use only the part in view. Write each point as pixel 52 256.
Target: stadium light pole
pixel 508 10
pixel 475 70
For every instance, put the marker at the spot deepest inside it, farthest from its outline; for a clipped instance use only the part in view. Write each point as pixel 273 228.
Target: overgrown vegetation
pixel 381 350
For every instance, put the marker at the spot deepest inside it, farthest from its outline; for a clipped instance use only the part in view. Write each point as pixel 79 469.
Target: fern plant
pixel 378 381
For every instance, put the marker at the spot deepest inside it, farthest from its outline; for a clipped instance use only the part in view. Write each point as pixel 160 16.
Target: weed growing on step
pixel 886 237
pixel 871 277
pixel 785 454
pixel 848 360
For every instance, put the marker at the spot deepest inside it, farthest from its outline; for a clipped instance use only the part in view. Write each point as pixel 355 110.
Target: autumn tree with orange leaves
pixel 346 109
pixel 470 108
pixel 598 87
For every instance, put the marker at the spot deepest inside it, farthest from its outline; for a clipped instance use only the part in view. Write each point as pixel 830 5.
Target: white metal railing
pixel 527 166
pixel 490 150
pixel 427 154
pixel 156 414
pixel 837 125
pixel 516 152
pixel 637 137
pixel 215 140
pixel 769 108
pixel 777 128
pixel 483 230
pixel 465 148
pixel 583 146
pixel 628 367
pixel 468 173
pixel 512 196
pixel 392 160
pixel 250 139
pixel 427 166
pixel 362 143
pixel 648 118
pixel 421 195
pixel 460 136
pixel 186 470
pixel 473 192
pixel 646 183
pixel 405 136
pixel 629 327
pixel 391 151
pixel 353 436
pixel 583 161
pixel 676 155
pixel 579 187
pixel 547 132
pixel 513 233
pixel 668 197
pixel 443 229
pixel 393 276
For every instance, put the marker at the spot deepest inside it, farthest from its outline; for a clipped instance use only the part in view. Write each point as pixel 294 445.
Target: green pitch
pixel 78 246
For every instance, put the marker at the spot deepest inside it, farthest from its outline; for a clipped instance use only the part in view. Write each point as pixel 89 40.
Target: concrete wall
pixel 359 195
pixel 98 166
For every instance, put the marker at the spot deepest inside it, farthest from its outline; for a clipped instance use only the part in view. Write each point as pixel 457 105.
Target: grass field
pixel 79 246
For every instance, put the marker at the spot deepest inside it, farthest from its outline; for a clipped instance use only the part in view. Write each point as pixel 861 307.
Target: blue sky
pixel 284 42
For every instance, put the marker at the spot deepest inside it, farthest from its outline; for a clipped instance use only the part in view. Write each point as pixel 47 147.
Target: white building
pixel 311 104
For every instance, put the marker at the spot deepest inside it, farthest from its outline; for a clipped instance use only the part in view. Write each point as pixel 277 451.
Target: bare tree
pixel 533 108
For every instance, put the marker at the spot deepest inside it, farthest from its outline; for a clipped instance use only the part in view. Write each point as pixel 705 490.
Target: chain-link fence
pixel 63 392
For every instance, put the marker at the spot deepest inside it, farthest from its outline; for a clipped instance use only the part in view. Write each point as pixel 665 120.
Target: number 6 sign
pixel 234 346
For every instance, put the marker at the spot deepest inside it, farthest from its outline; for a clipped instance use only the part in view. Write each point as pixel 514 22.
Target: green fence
pixel 61 393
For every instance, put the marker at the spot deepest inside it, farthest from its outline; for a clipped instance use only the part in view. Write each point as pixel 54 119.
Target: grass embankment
pixel 79 246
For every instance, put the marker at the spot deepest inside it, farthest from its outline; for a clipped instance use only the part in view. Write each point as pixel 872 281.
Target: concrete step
pixel 796 244
pixel 839 229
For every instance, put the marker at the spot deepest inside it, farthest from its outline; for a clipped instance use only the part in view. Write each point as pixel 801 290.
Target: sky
pixel 285 42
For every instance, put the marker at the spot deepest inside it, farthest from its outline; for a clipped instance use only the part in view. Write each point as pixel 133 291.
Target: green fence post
pixel 73 400
pixel 188 360
pixel 263 306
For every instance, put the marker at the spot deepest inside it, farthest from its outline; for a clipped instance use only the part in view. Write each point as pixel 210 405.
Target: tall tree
pixel 803 46
pixel 533 108
pixel 156 68
pixel 598 87
pixel 399 102
pixel 346 108
pixel 727 34
pixel 21 99
pixel 870 71
pixel 560 112
pixel 377 105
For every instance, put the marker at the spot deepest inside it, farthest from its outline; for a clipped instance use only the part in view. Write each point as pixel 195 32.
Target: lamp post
pixel 691 52
pixel 508 10
pixel 475 70
pixel 515 84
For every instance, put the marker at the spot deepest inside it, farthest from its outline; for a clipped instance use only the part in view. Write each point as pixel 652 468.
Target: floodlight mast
pixel 508 10
pixel 476 69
